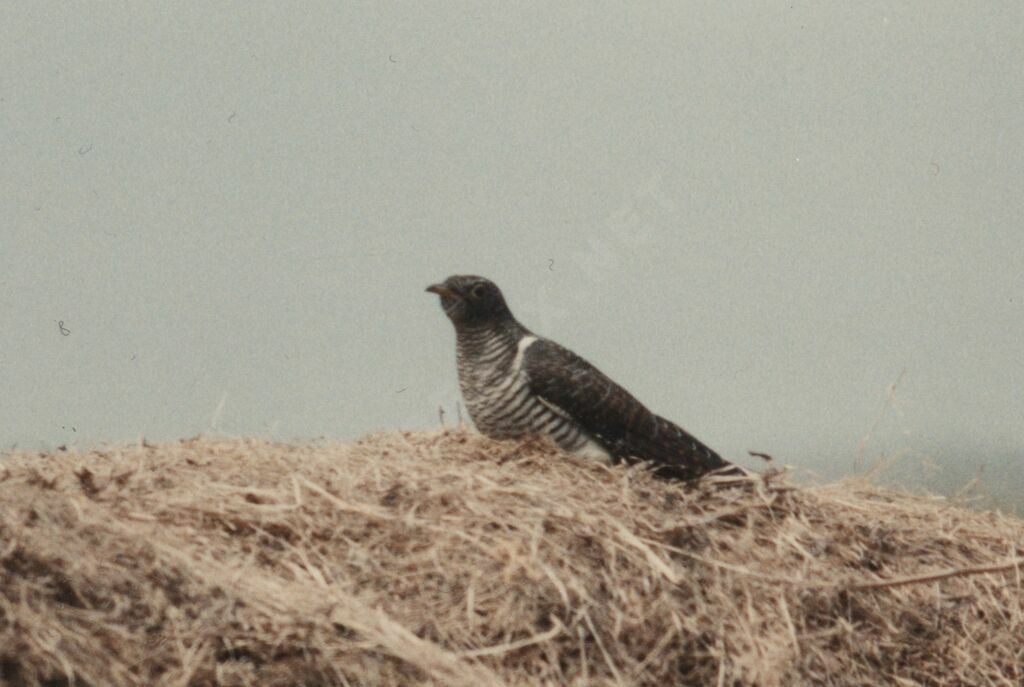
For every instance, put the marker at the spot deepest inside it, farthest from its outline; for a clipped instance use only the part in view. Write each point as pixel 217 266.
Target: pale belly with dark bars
pixel 498 397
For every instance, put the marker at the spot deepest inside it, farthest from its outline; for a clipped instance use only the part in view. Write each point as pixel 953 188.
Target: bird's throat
pixel 488 338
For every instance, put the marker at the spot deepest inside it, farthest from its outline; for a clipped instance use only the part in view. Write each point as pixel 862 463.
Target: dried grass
pixel 444 558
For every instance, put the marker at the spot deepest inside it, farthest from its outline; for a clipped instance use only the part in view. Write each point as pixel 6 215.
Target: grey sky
pixel 754 216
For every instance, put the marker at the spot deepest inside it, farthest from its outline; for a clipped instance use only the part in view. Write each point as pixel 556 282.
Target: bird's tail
pixel 677 454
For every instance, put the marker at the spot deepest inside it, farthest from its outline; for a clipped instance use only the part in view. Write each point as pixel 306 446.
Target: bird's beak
pixel 442 290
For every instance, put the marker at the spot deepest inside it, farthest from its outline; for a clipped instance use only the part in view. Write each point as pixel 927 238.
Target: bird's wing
pixel 611 415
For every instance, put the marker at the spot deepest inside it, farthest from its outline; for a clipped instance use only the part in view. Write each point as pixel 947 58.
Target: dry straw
pixel 444 558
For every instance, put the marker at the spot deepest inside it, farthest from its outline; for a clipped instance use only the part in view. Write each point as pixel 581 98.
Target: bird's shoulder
pixel 549 363
pixel 567 380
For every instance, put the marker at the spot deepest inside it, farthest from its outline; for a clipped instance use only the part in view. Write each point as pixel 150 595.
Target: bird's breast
pixel 497 393
pixel 491 376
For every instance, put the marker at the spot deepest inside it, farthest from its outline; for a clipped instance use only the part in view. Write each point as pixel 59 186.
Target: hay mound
pixel 444 558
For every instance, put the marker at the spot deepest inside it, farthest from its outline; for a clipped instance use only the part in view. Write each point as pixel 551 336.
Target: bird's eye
pixel 477 291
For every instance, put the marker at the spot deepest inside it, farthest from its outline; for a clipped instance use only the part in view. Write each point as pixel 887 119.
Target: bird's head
pixel 468 300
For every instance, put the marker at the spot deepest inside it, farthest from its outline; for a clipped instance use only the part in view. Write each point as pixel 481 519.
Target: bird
pixel 517 384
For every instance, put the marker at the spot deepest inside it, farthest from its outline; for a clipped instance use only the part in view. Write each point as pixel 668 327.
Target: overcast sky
pixel 754 216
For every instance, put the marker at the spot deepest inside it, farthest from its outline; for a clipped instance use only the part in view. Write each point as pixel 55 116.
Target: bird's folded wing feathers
pixel 610 414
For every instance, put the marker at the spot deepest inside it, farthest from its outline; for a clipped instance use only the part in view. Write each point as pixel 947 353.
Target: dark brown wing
pixel 612 416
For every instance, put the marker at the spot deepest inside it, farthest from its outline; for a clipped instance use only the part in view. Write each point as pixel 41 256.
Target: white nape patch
pixel 517 367
pixel 593 451
pixel 521 347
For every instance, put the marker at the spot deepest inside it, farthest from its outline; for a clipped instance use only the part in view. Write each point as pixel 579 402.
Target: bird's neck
pixel 477 338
